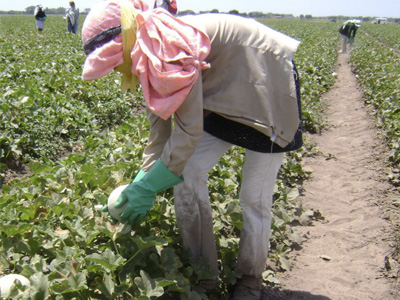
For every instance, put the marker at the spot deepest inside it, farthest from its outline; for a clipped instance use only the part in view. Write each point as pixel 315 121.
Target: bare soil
pixel 14 170
pixel 346 255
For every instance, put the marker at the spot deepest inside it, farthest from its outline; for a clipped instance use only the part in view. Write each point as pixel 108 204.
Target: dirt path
pixel 344 255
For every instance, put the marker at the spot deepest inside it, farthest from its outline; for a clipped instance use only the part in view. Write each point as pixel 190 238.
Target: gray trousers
pixel 193 208
pixel 345 42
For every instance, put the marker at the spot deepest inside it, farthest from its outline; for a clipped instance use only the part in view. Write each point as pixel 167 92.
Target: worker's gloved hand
pixel 138 177
pixel 140 195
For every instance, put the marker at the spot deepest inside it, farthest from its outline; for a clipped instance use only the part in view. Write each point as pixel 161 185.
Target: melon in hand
pixel 114 212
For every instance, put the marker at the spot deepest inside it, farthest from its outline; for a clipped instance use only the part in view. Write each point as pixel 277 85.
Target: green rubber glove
pixel 141 194
pixel 138 177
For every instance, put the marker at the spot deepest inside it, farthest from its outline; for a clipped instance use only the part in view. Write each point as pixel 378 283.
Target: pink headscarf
pixel 104 15
pixel 167 56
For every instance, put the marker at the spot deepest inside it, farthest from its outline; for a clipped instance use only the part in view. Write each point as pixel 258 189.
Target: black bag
pixel 344 30
pixel 40 15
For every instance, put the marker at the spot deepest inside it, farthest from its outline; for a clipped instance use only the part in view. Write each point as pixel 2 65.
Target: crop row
pixel 378 69
pixel 388 34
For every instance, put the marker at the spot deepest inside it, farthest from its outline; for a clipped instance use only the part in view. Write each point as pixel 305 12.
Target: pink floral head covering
pixel 103 16
pixel 167 56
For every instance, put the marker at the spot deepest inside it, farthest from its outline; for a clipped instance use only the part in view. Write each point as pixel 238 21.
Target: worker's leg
pixel 344 44
pixel 192 204
pixel 351 44
pixel 259 177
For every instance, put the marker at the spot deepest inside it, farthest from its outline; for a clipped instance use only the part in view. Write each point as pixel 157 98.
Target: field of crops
pixel 376 61
pixel 81 140
pixel 388 34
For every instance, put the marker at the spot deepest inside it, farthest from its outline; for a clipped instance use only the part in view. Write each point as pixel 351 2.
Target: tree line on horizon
pixel 256 14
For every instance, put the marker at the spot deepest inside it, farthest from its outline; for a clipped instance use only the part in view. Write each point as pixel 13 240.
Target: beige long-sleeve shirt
pixel 250 81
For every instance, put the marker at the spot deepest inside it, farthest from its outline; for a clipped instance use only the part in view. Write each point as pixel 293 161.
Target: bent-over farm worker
pixel 223 80
pixel 348 31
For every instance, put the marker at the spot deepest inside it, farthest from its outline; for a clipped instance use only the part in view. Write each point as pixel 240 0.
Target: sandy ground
pixel 343 256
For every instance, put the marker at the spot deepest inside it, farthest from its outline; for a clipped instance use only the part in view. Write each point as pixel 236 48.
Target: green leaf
pixel 108 284
pixel 284 263
pixel 148 286
pixel 39 286
pixel 77 282
pixel 38 168
pixel 107 259
pixel 148 242
pixel 293 194
pixel 169 260
pixel 269 276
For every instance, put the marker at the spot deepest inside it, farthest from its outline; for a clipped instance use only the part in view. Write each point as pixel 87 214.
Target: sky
pixel 365 8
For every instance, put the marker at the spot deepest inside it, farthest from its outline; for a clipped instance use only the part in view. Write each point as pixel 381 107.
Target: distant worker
pixel 72 16
pixel 168 5
pixel 40 17
pixel 348 31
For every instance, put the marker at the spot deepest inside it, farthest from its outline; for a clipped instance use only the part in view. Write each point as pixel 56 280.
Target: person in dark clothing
pixel 348 31
pixel 40 17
